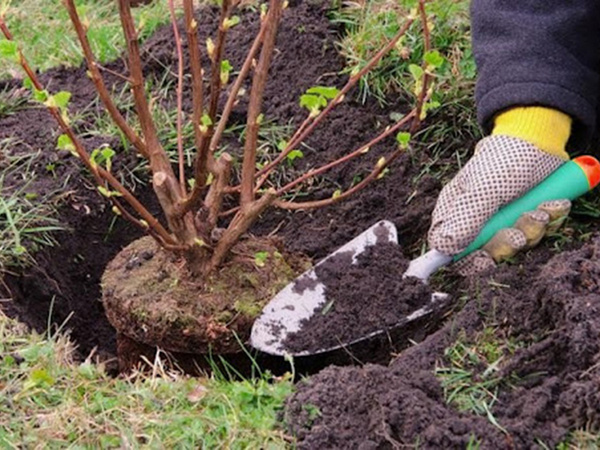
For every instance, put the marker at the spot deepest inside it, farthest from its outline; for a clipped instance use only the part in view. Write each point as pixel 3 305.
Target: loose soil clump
pixel 545 383
pixel 364 297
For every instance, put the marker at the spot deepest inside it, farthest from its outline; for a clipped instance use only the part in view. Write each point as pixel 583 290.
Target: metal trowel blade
pixel 300 299
pixel 305 296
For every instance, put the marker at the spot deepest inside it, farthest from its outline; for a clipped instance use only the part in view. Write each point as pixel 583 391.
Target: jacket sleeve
pixel 538 52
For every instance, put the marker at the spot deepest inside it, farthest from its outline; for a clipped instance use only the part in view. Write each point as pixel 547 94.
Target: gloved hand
pixel 502 169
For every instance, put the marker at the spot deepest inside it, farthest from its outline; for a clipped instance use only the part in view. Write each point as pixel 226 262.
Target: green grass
pixel 45 32
pixel 26 220
pixel 466 386
pixel 11 101
pixel 48 400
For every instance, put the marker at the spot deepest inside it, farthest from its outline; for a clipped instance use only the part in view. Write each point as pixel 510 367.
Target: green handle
pixel 569 181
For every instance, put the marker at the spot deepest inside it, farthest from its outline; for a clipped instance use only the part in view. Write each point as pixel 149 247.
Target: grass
pixel 11 102
pixel 467 386
pixel 26 220
pixel 48 400
pixel 44 30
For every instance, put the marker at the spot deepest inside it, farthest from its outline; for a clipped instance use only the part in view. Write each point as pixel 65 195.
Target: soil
pixel 64 282
pixel 364 297
pixel 548 386
pixel 149 295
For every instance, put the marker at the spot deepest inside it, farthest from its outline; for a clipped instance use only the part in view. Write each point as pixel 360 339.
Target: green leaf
pixel 105 192
pixel 403 138
pixel 9 50
pixel 40 96
pixel 206 120
pixel 61 99
pixel 260 258
pixel 313 103
pixel 433 58
pixel 294 154
pixel 64 142
pixel 231 22
pixel 226 66
pixel 324 91
pixel 28 84
pixel 416 71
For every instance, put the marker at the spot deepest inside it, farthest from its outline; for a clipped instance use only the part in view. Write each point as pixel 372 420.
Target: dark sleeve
pixel 538 52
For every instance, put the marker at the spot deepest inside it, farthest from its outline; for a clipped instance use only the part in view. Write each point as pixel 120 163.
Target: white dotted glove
pixel 502 169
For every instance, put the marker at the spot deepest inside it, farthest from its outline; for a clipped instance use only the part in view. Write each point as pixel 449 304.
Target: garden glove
pixel 526 145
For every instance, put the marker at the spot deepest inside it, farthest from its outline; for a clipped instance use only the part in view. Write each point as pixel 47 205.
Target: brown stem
pixel 214 198
pixel 259 81
pixel 244 218
pixel 164 183
pixel 338 99
pixel 191 26
pixel 98 81
pixel 372 176
pixel 330 201
pixel 178 46
pixel 216 138
pixel 361 150
pixel 159 160
pixel 216 58
pixel 426 77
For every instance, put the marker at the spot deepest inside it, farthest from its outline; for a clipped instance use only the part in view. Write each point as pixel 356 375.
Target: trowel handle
pixel 571 180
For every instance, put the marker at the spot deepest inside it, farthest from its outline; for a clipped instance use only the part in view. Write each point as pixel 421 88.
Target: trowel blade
pixel 303 297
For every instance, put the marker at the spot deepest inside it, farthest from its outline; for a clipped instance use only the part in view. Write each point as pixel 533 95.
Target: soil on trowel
pixel 540 324
pixel 367 296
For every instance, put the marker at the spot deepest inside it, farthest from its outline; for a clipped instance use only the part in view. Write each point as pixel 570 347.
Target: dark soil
pixel 548 386
pixel 361 298
pixel 65 278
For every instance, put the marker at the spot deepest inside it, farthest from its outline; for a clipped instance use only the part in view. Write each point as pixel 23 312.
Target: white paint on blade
pixel 304 297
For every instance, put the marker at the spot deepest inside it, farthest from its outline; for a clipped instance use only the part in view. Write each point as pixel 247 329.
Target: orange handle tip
pixel 591 168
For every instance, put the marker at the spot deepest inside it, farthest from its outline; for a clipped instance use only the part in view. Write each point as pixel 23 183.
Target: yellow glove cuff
pixel 548 129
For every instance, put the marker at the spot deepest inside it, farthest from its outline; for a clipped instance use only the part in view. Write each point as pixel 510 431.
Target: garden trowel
pixel 305 296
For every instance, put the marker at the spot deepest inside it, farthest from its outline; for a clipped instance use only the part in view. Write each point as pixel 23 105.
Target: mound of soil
pixel 546 387
pixel 64 282
pixel 361 298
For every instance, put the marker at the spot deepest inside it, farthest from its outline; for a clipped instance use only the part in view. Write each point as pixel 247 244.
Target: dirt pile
pixel 361 298
pixel 544 382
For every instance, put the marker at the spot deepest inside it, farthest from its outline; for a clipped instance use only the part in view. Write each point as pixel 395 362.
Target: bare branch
pixel 244 218
pixel 216 58
pixel 426 77
pixel 344 195
pixel 359 151
pixel 98 81
pixel 197 89
pixel 159 161
pixel 255 103
pixel 214 198
pixel 178 46
pixel 338 99
pixel 216 138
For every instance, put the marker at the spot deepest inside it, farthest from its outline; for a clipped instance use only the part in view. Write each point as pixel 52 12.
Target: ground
pixel 513 365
